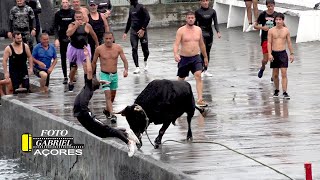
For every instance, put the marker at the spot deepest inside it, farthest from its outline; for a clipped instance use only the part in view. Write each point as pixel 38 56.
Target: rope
pixel 233 150
pixel 210 142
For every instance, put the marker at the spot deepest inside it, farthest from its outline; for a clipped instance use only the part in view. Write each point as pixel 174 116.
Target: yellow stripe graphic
pixel 26 142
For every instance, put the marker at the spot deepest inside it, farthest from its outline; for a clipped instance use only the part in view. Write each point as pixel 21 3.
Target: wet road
pixel 243 115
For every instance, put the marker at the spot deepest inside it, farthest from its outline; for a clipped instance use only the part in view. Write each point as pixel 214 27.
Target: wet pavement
pixel 242 113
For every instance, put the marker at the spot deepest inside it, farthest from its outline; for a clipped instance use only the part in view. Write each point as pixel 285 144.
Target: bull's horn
pixel 121 112
pixel 138 108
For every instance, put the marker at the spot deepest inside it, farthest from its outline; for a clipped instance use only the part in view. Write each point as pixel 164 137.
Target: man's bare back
pixel 109 57
pixel 279 38
pixel 189 40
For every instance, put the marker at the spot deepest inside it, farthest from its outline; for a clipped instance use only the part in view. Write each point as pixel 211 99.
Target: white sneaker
pixel 132 136
pixel 131 148
pixel 250 28
pixel 137 71
pixel 145 66
pixel 207 74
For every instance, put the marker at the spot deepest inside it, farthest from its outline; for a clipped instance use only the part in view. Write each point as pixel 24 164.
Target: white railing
pixel 126 3
pixel 307 3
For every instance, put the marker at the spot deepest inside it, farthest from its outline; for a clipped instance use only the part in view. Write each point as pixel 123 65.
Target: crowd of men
pixel 83 34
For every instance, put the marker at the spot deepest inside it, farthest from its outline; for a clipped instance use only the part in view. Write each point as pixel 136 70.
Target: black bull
pixel 161 102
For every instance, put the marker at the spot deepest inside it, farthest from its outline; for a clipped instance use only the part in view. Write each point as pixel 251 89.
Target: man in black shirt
pixel 204 16
pixel 138 20
pixel 36 7
pixel 86 118
pixel 267 21
pixel 62 19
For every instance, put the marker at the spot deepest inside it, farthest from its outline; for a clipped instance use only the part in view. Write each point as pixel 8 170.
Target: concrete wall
pixel 101 159
pixel 161 15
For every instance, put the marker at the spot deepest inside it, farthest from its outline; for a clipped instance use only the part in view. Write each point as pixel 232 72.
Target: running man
pixel 278 38
pixel 267 21
pixel 138 20
pixel 204 17
pixel 62 19
pixel 43 54
pixel 87 119
pixel 78 32
pixel 17 54
pixel 22 19
pixel 76 5
pixel 36 7
pixel 99 24
pixel 250 3
pixel 108 54
pixel 188 58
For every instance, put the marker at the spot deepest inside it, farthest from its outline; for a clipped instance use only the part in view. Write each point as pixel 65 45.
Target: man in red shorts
pixel 265 21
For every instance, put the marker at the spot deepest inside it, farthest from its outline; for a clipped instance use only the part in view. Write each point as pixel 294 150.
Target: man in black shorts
pixel 86 118
pixel 278 38
pixel 190 38
pixel 17 54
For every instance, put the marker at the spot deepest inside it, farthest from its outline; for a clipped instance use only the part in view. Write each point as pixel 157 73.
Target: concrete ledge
pixel 101 159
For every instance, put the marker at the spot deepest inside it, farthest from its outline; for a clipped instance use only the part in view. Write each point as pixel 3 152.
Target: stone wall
pixel 101 158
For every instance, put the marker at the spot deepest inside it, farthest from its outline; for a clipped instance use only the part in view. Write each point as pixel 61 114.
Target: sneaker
pixel 276 93
pixel 132 136
pixel 137 71
pixel 145 66
pixel 112 118
pixel 206 73
pixel 202 103
pixel 250 28
pixel 71 87
pixel 286 95
pixel 260 73
pixel 131 148
pixel 65 81
pixel 107 113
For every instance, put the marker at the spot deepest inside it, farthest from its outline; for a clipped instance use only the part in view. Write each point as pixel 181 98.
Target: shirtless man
pixel 76 6
pixel 108 54
pixel 188 58
pixel 17 54
pixel 278 38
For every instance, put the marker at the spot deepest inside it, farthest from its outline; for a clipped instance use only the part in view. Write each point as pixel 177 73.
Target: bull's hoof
pixel 190 138
pixel 139 145
pixel 156 146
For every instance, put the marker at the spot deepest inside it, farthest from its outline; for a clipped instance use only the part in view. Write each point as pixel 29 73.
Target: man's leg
pixel 255 10
pixel 73 70
pixel 113 95
pixel 43 79
pixel 284 79
pixel 265 58
pixel 107 94
pixel 275 75
pixel 208 43
pixel 199 85
pixel 145 49
pixel 63 53
pixel 134 44
pixel 249 11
